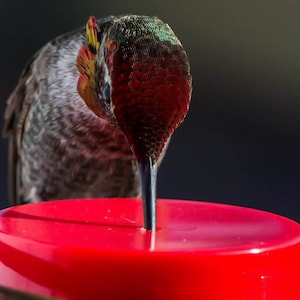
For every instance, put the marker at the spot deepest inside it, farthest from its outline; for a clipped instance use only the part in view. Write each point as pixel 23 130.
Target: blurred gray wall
pixel 240 141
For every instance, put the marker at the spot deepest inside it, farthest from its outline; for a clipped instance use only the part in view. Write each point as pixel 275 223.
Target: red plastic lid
pixel 97 249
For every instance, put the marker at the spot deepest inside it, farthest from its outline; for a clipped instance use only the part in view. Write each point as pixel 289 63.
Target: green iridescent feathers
pixel 133 27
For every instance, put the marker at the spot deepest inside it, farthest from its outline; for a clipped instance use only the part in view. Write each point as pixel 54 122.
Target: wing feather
pixel 17 108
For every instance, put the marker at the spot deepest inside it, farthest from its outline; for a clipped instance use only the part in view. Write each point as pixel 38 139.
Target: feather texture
pixel 59 148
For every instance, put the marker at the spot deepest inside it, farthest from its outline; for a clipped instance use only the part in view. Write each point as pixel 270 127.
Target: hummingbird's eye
pixel 106 92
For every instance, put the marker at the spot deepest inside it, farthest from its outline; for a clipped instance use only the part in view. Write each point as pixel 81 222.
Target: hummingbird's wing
pixel 18 105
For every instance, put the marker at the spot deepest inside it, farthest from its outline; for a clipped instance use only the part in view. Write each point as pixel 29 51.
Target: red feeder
pixel 97 249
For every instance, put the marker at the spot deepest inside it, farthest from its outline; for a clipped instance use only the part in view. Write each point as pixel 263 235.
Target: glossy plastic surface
pixel 97 249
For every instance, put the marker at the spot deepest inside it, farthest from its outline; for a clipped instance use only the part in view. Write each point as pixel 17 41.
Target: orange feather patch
pixel 86 64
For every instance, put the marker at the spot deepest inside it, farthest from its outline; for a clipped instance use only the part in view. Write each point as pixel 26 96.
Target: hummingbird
pixel 94 110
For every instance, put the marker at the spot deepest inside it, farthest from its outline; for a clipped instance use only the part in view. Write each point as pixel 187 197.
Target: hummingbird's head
pixel 135 73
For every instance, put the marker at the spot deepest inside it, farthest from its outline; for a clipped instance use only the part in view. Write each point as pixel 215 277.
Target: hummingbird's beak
pixel 148 172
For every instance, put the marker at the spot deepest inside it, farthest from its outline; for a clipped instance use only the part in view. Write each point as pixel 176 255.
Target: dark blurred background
pixel 240 141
